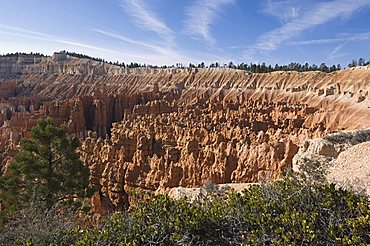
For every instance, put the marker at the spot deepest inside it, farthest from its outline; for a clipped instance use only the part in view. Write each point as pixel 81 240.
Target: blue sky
pixel 182 31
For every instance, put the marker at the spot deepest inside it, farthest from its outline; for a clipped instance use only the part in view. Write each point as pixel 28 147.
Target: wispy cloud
pixel 146 18
pixel 20 32
pixel 135 50
pixel 200 16
pixel 346 37
pixel 318 14
pixel 335 53
pixel 284 10
pixel 152 48
pixel 124 38
pixel 343 39
pixel 158 54
pixel 45 43
pixel 166 49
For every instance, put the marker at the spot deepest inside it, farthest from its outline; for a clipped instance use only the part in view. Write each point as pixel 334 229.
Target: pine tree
pixel 353 63
pixel 47 168
pixel 361 62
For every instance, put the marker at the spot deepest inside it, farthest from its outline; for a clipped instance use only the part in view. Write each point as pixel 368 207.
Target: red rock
pixel 161 128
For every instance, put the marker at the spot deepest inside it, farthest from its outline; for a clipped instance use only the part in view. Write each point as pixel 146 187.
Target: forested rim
pixel 249 67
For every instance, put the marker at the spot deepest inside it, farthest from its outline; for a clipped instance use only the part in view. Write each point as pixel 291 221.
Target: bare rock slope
pixel 352 168
pixel 346 156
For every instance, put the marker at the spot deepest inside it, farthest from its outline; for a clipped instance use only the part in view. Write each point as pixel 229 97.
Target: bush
pixel 38 225
pixel 279 213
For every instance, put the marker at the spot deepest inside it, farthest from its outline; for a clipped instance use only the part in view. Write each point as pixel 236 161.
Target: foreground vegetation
pixel 287 212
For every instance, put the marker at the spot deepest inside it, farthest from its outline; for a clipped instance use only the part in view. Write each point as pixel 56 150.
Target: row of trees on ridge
pixel 251 67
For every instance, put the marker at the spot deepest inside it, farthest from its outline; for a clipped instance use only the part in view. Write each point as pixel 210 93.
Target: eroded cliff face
pixel 162 128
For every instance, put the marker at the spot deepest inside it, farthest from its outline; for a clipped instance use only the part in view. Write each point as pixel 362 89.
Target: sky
pixel 166 32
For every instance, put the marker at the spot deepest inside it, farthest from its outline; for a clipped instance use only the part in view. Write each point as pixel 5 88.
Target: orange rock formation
pixel 162 128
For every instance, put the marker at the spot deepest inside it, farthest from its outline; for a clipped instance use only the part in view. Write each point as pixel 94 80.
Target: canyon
pixel 161 128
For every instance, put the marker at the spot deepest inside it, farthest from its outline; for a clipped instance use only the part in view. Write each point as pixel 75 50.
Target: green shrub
pixel 280 213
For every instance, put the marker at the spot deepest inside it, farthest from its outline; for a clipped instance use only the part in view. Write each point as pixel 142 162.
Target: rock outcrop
pixel 345 156
pixel 207 191
pixel 328 148
pixel 351 168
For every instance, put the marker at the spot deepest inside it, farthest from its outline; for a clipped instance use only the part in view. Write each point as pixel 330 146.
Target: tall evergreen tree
pixel 47 167
pixel 353 63
pixel 361 62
